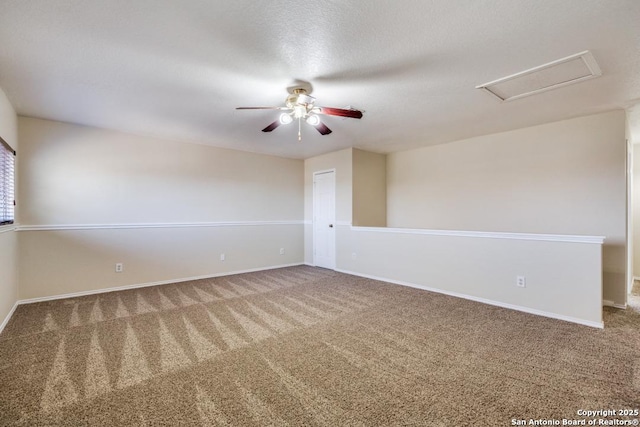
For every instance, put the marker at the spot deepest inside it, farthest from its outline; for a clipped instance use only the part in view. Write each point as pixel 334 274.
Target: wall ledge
pixel 486 234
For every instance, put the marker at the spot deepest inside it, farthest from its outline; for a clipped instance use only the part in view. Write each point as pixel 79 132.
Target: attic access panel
pixel 562 72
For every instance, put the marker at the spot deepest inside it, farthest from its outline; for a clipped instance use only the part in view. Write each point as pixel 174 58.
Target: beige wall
pixel 563 279
pixel 81 176
pixel 8 240
pixel 563 178
pixel 566 177
pixel 342 162
pixel 57 262
pixel 369 189
pixel 528 180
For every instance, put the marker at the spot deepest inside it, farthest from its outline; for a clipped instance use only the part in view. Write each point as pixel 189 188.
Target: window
pixel 7 169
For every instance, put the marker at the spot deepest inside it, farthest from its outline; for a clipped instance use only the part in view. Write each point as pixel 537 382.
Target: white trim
pixel 10 227
pixel 153 225
pixel 6 319
pixel 609 303
pixel 323 171
pixel 343 223
pixel 586 56
pixel 144 285
pixel 629 231
pixel 486 234
pixel 482 300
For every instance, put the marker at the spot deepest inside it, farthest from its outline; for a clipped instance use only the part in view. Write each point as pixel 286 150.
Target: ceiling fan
pixel 300 105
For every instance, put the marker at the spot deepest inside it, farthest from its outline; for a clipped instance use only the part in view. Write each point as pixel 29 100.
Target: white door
pixel 324 218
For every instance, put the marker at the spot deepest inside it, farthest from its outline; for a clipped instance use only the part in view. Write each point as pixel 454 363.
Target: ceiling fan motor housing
pixel 299 97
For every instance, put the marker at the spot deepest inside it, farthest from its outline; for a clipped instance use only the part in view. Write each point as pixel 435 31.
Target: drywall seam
pixel 481 300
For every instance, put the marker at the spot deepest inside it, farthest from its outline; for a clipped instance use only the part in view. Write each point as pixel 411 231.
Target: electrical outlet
pixel 281 251
pixel 521 282
pixel 221 257
pixel 354 255
pixel 119 267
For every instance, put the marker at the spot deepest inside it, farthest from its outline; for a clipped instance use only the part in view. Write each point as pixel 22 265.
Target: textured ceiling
pixel 177 69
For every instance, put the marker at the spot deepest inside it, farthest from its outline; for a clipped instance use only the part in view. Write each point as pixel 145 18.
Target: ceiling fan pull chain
pixel 299 126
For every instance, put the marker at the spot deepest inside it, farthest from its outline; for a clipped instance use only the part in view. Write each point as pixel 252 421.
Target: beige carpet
pixel 306 346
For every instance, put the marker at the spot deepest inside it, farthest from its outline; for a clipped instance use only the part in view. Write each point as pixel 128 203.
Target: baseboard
pixel 6 319
pixel 609 303
pixel 144 285
pixel 593 324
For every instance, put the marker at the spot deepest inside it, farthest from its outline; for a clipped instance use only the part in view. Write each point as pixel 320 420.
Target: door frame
pixel 630 224
pixel 313 212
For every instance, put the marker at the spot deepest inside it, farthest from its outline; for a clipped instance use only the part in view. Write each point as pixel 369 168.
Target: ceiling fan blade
pixel 323 129
pixel 272 126
pixel 330 111
pixel 262 108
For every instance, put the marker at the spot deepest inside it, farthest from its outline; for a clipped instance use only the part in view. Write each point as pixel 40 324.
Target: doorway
pixel 324 219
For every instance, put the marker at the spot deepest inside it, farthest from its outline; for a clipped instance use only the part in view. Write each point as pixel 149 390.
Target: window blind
pixel 7 186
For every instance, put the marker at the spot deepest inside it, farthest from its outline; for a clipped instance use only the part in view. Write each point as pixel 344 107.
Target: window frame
pixel 7 152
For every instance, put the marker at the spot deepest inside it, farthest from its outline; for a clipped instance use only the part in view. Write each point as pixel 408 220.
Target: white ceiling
pixel 177 69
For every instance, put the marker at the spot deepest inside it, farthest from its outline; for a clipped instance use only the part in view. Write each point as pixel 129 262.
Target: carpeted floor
pixel 306 346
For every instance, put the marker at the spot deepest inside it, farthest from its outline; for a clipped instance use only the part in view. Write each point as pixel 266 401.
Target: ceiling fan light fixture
pixel 285 118
pixel 313 120
pixel 299 106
